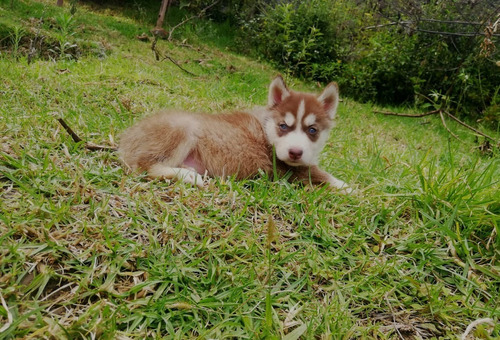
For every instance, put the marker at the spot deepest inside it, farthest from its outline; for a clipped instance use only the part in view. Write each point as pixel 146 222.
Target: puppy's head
pixel 299 123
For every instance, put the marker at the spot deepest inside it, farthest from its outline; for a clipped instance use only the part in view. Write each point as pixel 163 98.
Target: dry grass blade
pixel 474 324
pixel 9 315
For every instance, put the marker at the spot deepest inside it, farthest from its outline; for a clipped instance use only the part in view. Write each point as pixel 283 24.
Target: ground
pixel 89 250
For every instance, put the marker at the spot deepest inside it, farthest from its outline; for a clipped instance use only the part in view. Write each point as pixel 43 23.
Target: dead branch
pixel 160 57
pixel 446 127
pixel 413 26
pixel 407 22
pixel 199 15
pixel 468 126
pixel 88 145
pixel 440 112
pixel 388 113
pixel 385 25
pixel 458 34
pixel 455 22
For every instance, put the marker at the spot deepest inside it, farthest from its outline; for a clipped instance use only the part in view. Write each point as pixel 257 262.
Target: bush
pixel 394 63
pixel 381 70
pixel 301 36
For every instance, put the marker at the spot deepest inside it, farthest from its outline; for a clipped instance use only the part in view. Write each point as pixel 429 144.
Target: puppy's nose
pixel 295 154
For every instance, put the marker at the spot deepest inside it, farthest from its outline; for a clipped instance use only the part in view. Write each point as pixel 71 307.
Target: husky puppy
pixel 184 146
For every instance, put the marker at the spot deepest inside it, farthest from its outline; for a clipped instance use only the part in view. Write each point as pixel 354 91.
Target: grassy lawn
pixel 89 251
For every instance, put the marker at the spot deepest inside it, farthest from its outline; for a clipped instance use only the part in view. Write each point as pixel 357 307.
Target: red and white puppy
pixel 184 146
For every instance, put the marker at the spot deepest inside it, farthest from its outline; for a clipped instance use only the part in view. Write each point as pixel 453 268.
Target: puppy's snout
pixel 295 154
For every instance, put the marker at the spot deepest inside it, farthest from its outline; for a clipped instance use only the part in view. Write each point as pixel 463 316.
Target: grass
pixel 88 251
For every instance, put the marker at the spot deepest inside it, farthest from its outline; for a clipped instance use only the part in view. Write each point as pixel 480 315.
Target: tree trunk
pixel 158 30
pixel 161 14
pixel 60 3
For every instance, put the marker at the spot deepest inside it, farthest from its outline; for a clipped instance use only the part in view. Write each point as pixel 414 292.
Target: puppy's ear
pixel 277 92
pixel 329 98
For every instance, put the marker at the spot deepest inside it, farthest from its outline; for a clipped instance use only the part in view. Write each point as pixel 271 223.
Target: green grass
pixel 89 251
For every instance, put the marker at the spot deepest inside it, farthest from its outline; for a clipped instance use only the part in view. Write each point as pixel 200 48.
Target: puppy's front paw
pixel 341 186
pixel 347 190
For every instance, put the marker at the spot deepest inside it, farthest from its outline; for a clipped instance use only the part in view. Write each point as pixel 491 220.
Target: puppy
pixel 184 146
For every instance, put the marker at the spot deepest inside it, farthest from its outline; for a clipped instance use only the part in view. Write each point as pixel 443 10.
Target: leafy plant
pixel 73 6
pixel 16 36
pixel 64 36
pixel 299 36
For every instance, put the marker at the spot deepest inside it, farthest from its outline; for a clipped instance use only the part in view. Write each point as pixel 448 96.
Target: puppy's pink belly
pixel 192 162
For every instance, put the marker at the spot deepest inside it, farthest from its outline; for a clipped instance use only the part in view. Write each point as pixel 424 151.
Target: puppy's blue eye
pixel 312 130
pixel 283 127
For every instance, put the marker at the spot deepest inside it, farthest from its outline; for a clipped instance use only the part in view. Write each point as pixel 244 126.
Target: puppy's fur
pixel 184 146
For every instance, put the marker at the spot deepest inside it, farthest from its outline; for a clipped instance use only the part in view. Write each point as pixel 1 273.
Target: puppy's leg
pixel 160 170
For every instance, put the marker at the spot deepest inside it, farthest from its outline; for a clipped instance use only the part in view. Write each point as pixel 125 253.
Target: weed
pixel 73 6
pixel 66 24
pixel 16 36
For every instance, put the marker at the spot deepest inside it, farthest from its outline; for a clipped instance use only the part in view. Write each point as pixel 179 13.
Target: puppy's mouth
pixel 297 162
pixel 293 163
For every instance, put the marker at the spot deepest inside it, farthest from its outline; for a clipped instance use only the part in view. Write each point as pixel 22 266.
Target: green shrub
pixel 392 64
pixel 381 70
pixel 302 36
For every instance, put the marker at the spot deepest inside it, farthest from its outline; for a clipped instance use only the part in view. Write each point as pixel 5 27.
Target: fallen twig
pixel 88 145
pixel 179 66
pixel 66 127
pixel 160 57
